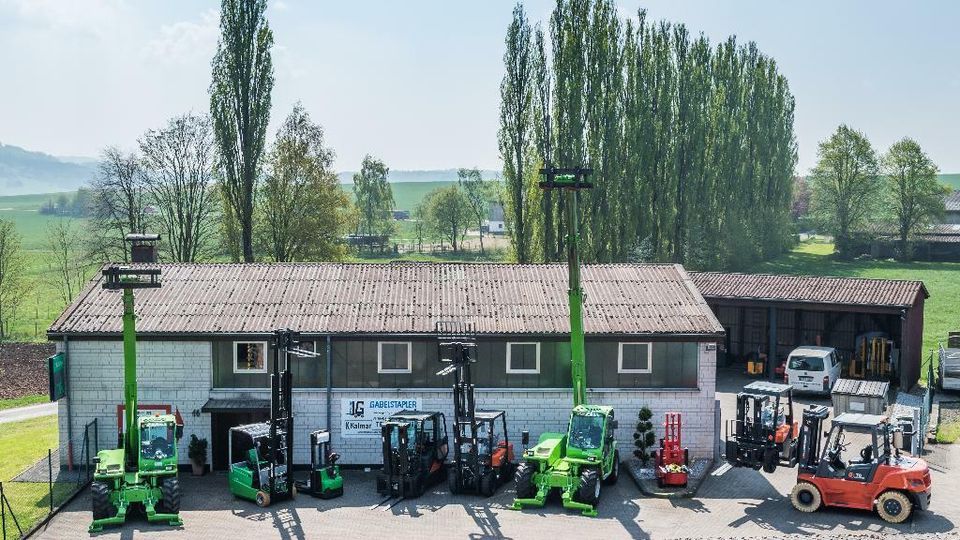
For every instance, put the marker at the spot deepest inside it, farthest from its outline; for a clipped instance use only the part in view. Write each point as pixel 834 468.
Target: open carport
pixel 762 313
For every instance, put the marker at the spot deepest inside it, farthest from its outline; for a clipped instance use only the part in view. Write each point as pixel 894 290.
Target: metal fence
pixel 30 498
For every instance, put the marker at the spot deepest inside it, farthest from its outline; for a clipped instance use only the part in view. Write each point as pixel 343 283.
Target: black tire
pixel 100 501
pixel 523 479
pixel 611 478
pixel 453 481
pixel 589 491
pixel 488 484
pixel 172 495
pixel 805 497
pixel 771 458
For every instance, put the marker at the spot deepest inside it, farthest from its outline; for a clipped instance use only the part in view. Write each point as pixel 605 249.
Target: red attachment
pixel 672 456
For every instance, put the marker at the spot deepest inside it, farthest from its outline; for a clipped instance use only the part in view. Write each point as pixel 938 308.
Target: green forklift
pixel 261 454
pixel 142 471
pixel 325 480
pixel 577 462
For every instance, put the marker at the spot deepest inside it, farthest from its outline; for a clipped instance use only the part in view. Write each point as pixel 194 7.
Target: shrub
pixel 643 437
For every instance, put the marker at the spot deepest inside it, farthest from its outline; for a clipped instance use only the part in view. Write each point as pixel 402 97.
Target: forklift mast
pixel 456 345
pixel 281 417
pixel 810 438
pixel 572 180
pixel 126 279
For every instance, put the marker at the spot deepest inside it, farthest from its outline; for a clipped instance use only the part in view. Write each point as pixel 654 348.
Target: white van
pixel 812 369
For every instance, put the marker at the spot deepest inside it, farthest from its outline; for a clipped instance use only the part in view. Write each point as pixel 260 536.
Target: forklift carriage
pixel 764 433
pixel 415 448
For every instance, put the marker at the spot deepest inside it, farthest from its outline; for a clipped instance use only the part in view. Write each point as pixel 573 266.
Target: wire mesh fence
pixel 39 490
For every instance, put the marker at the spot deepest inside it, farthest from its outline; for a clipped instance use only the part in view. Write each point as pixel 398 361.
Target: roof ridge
pixel 810 276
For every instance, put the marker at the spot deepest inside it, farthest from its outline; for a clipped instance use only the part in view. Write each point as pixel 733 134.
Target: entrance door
pixel 220 424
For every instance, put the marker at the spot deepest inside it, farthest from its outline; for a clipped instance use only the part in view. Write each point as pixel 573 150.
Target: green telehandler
pixel 578 461
pixel 142 470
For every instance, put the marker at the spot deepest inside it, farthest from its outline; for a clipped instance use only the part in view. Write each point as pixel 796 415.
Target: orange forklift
pixel 881 479
pixel 764 434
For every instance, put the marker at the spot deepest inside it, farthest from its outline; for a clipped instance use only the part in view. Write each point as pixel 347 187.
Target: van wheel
pixel 894 506
pixel 806 497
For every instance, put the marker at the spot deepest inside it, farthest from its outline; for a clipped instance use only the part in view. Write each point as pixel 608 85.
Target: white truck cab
pixel 812 369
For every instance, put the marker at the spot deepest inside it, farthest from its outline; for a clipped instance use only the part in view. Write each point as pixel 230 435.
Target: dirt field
pixel 23 369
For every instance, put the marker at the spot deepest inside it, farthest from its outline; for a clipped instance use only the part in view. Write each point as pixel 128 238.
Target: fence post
pixel 50 476
pixel 3 514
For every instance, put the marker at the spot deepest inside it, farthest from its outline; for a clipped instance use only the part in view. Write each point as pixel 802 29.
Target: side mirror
pixel 614 424
pixel 525 437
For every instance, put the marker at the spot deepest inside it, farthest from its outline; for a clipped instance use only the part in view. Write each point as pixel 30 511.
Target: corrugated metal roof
pixel 952 201
pixel 398 298
pixel 809 289
pixel 856 387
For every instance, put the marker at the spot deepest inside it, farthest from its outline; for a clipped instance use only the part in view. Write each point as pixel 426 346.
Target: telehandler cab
pixel 577 461
pixel 879 478
pixel 415 448
pixel 764 434
pixel 142 470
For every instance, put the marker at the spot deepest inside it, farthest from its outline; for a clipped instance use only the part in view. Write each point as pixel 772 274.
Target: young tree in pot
pixel 643 437
pixel 197 451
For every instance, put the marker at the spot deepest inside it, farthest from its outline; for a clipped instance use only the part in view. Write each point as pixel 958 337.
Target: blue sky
pixel 417 82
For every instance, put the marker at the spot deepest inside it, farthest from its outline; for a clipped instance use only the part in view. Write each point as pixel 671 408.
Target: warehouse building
pixel 762 313
pixel 204 348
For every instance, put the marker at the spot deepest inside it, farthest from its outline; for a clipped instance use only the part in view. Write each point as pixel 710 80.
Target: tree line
pixel 856 194
pixel 691 144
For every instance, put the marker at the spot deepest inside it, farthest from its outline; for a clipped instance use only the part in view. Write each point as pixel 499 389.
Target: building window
pixel 249 356
pixel 394 357
pixel 523 358
pixel 635 358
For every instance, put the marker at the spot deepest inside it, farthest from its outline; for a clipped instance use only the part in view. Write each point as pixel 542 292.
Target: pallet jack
pixel 325 480
pixel 483 458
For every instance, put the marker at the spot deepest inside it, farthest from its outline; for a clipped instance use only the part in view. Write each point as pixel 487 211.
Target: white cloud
pixel 185 42
pixel 96 17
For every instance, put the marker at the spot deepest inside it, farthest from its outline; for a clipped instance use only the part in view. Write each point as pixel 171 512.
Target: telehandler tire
pixel 172 495
pixel 611 478
pixel 523 479
pixel 589 491
pixel 100 501
pixel 894 506
pixel 805 497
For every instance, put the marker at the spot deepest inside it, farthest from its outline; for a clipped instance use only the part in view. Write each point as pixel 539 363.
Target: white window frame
pixel 380 368
pixel 266 353
pixel 621 369
pixel 534 371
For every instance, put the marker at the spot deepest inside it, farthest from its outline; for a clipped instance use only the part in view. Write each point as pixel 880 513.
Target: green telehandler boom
pixel 142 470
pixel 575 462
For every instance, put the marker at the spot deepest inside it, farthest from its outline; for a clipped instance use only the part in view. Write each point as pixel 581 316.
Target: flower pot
pixel 198 468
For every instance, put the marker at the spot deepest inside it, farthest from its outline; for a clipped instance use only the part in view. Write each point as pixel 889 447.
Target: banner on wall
pixel 362 417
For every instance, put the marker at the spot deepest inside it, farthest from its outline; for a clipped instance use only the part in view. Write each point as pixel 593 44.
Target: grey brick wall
pixel 175 373
pixel 179 373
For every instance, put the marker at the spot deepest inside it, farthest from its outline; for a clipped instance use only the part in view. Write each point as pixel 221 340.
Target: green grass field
pixel 22 444
pixel 407 195
pixel 952 180
pixel 941 311
pixel 22 401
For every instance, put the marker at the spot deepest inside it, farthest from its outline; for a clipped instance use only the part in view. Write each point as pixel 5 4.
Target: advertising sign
pixel 361 417
pixel 57 376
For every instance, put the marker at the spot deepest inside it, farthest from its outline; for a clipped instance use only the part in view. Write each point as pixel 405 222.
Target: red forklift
pixel 878 478
pixel 483 457
pixel 764 434
pixel 672 460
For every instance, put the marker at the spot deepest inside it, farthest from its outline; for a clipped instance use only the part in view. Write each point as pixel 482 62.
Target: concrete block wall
pixel 175 373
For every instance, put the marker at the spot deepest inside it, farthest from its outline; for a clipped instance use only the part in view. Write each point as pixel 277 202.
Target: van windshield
pixel 806 363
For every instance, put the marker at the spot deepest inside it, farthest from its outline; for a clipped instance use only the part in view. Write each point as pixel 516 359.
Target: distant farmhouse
pixel 940 242
pixel 494 223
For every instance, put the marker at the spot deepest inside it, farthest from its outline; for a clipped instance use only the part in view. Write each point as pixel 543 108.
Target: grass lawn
pixel 22 444
pixel 22 402
pixel 941 311
pixel 948 430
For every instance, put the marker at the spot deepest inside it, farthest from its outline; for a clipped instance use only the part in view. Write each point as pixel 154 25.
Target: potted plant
pixel 197 451
pixel 643 437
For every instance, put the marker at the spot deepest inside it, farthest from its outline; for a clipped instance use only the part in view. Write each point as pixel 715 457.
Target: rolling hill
pixel 25 172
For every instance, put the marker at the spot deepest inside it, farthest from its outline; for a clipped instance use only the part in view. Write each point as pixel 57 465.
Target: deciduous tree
pixel 450 214
pixel 240 106
pixel 374 197
pixel 119 201
pixel 914 196
pixel 477 195
pixel 846 185
pixel 13 286
pixel 70 262
pixel 303 210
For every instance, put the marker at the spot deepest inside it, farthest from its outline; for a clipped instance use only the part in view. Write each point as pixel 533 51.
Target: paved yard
pixel 739 503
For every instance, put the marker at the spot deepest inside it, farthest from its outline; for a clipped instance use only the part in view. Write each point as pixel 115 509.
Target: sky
pixel 416 82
